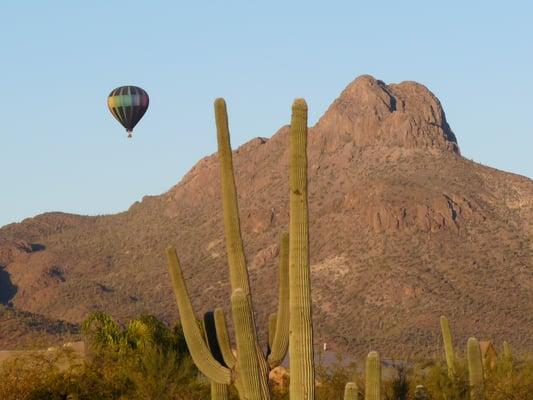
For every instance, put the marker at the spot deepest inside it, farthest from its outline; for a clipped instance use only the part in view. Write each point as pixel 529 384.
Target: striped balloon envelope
pixel 128 105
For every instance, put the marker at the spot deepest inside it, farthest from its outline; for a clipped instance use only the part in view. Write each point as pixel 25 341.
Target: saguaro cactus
pixel 475 370
pixel 448 345
pixel 351 392
pixel 249 369
pixel 373 376
pixel 302 382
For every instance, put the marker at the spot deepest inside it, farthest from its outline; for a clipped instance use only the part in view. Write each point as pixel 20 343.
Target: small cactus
pixel 475 370
pixel 351 391
pixel 448 345
pixel 373 376
pixel 507 353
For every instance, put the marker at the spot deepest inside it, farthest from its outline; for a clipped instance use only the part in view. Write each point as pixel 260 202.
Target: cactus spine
pixel 301 332
pixel 475 370
pixel 448 345
pixel 351 392
pixel 373 376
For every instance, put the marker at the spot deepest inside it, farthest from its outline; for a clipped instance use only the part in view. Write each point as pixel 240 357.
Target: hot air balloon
pixel 128 105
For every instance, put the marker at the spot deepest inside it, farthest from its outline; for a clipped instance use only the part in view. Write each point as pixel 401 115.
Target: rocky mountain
pixel 403 229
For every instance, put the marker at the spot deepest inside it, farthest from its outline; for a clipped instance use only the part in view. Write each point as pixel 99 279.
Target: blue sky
pixel 61 149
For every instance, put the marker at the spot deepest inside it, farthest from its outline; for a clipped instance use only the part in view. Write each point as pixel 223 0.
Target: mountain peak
pixel 373 113
pixel 397 223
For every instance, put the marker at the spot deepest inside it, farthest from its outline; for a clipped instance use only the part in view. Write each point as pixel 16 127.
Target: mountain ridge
pixel 403 229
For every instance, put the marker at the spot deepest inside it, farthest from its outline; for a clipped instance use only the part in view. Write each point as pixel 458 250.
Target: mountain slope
pixel 403 229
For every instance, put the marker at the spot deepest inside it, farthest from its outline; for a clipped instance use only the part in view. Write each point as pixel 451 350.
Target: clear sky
pixel 60 148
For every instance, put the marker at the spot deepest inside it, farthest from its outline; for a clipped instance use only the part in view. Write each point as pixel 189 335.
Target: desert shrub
pixel 21 376
pixel 332 379
pixel 141 361
pixel 505 382
pixel 510 381
pixel 146 358
pixel 434 376
pixel 49 375
pixel 398 388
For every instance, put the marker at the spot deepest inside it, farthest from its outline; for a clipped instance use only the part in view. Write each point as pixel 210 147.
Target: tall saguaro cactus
pixel 448 345
pixel 302 382
pixel 373 376
pixel 248 370
pixel 475 370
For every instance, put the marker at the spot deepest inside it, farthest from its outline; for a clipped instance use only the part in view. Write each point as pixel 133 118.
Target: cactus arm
pixel 211 337
pixel 475 370
pixel 193 336
pixel 247 361
pixel 223 338
pixel 232 228
pixel 350 391
pixel 301 329
pixel 280 338
pixel 448 345
pixel 373 376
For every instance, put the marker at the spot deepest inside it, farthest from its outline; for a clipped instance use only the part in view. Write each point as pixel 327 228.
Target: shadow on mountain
pixel 7 289
pixel 37 247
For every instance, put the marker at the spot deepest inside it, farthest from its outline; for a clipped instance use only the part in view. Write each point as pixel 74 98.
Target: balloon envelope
pixel 128 105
